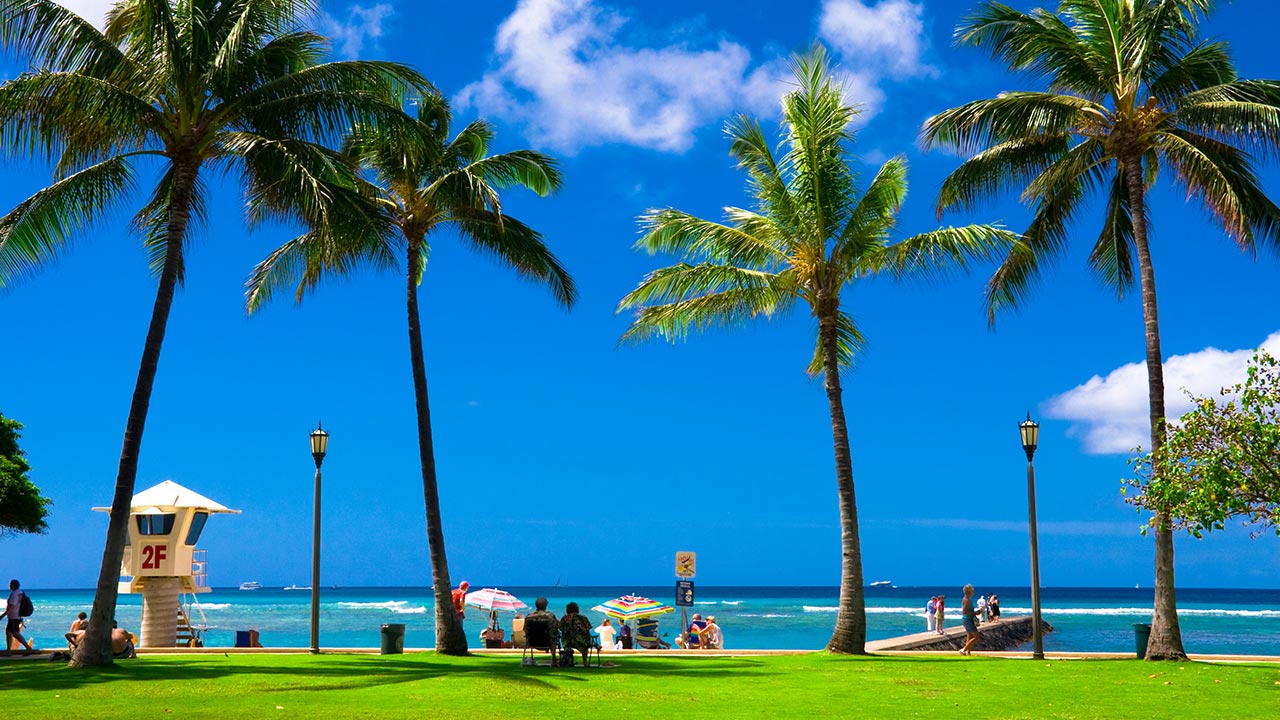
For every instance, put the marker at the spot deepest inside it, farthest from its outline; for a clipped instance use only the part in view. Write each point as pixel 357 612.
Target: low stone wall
pixel 1006 634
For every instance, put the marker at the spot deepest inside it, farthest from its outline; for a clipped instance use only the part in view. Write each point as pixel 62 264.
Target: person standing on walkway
pixel 460 598
pixel 929 610
pixel 13 611
pixel 970 619
pixel 939 613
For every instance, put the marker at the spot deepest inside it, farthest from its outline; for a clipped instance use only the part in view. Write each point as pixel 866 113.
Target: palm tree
pixel 193 86
pixel 1132 88
pixel 445 183
pixel 811 235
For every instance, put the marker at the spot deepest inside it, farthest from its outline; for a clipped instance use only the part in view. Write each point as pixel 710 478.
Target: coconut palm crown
pixel 812 234
pixel 184 88
pixel 445 183
pixel 1132 89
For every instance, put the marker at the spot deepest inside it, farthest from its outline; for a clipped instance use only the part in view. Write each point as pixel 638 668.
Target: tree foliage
pixel 814 232
pixel 191 89
pixel 1131 91
pixel 421 189
pixel 22 508
pixel 1222 461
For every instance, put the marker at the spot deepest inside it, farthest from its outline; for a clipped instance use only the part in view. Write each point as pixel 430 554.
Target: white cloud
pixel 95 11
pixel 362 23
pixel 564 72
pixel 888 37
pixel 1110 414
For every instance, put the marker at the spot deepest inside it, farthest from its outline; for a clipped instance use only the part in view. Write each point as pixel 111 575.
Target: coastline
pixel 1088 620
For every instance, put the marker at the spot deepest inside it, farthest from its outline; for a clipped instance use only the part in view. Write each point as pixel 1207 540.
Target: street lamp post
pixel 319 444
pixel 1030 437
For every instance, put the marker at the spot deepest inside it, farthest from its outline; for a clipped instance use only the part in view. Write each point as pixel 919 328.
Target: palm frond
pixel 1010 117
pixel 71 118
pixel 1008 166
pixel 850 345
pixel 873 216
pixel 1012 282
pixel 678 233
pixel 1223 178
pixel 56 38
pixel 1112 255
pixel 671 301
pixel 1207 65
pixel 517 246
pixel 1038 43
pixel 307 259
pixel 155 221
pixel 1244 113
pixel 520 168
pixel 939 253
pixel 43 226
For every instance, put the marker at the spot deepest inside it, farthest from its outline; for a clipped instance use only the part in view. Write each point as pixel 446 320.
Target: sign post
pixel 686 566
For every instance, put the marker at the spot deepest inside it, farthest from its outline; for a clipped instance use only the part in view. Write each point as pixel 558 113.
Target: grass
pixel 424 685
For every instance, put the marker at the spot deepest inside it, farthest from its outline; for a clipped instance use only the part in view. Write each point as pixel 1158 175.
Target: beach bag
pixel 25 608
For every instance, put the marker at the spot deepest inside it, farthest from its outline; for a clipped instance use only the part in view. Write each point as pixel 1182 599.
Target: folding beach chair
pixel 537 638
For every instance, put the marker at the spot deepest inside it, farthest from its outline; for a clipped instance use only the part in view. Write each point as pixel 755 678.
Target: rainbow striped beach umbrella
pixel 494 599
pixel 631 607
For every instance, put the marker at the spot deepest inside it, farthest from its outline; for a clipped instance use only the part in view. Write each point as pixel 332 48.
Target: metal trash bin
pixel 1141 634
pixel 392 639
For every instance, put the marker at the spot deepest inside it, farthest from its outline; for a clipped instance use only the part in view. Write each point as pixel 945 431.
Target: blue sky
pixel 565 457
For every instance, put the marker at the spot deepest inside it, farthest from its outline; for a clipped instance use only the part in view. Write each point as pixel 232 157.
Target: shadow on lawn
pixel 358 671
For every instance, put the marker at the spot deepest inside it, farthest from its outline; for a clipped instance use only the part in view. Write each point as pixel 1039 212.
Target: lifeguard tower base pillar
pixel 160 611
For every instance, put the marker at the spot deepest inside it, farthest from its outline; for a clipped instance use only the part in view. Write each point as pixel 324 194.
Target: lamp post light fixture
pixel 319 444
pixel 1030 438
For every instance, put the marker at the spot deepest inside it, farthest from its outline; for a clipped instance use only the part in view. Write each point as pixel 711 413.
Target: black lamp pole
pixel 1030 437
pixel 319 444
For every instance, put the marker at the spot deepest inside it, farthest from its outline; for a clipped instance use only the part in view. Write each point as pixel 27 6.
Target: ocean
pixel 1084 619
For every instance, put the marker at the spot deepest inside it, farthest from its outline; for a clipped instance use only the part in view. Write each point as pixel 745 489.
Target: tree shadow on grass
pixel 325 673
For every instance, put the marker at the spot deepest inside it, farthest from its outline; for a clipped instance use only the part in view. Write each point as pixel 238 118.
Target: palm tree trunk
pixel 450 637
pixel 95 647
pixel 1166 636
pixel 850 634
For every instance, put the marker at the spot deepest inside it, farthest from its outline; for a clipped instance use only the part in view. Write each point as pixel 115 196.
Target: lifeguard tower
pixel 161 560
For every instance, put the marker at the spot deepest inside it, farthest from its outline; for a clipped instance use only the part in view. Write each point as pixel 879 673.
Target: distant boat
pixel 250 585
pixel 298 587
pixel 881 583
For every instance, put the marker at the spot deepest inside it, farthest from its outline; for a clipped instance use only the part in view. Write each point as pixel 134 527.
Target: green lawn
pixel 818 686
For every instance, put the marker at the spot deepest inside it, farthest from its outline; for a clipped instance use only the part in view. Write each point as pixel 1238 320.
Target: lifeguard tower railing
pixel 191 633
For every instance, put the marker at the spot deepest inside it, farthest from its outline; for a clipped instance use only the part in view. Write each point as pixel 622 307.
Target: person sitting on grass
pixel 693 638
pixel 78 626
pixel 541 615
pixel 575 632
pixel 647 634
pixel 712 637
pixel 122 642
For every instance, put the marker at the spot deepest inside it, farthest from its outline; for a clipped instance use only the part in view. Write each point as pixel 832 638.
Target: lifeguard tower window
pixel 155 524
pixel 197 525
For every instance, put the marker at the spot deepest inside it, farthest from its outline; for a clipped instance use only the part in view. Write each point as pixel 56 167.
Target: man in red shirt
pixel 460 597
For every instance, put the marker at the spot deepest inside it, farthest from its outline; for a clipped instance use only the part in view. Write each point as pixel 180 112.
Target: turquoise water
pixel 1085 619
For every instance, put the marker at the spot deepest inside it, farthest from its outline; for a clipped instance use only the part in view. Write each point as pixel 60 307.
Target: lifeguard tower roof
pixel 171 495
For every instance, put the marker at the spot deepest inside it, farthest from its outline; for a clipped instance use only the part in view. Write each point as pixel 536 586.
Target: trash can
pixel 1141 634
pixel 242 639
pixel 392 639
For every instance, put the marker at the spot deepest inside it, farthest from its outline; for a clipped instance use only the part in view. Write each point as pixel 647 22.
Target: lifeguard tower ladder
pixel 162 562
